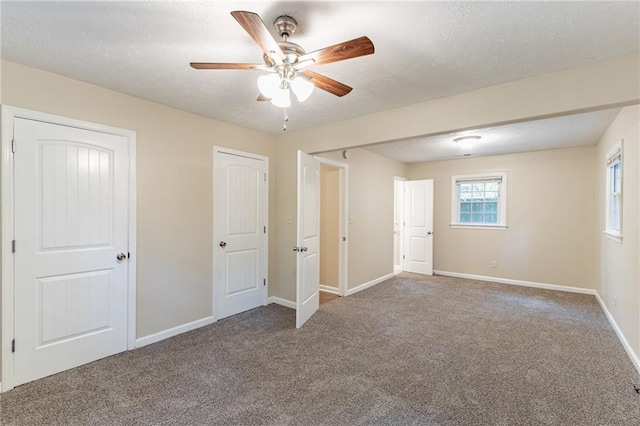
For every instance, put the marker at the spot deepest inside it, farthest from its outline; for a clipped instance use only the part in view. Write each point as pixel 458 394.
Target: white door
pixel 418 229
pixel 71 222
pixel 308 239
pixel 240 193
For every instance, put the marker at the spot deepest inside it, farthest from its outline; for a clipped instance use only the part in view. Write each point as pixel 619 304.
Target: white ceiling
pixel 424 50
pixel 551 133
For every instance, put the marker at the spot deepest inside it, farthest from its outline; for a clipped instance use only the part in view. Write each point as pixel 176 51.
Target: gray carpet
pixel 412 350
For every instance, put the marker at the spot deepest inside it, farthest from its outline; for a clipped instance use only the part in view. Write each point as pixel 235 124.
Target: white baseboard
pixel 533 284
pixel 397 270
pixel 330 289
pixel 625 343
pixel 369 284
pixel 283 302
pixel 156 337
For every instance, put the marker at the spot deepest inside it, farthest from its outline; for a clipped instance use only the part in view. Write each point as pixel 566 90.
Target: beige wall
pixel 609 83
pixel 370 233
pixel 550 212
pixel 617 266
pixel 370 213
pixel 330 225
pixel 174 186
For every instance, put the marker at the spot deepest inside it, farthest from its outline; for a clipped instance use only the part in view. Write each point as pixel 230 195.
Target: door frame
pixel 398 205
pixel 9 114
pixel 217 150
pixel 343 220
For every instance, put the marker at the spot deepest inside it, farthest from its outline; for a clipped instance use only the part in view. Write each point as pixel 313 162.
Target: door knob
pixel 303 249
pixel 296 248
pixel 222 244
pixel 121 256
pixel 429 233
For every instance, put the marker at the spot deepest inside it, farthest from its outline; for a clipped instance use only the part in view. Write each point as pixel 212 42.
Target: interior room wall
pixel 618 271
pixel 550 214
pixel 174 186
pixel 370 213
pixel 329 225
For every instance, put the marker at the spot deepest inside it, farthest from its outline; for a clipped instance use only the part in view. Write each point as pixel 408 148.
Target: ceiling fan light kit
pixel 287 62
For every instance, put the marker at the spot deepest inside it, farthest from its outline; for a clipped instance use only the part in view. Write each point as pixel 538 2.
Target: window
pixel 479 201
pixel 614 193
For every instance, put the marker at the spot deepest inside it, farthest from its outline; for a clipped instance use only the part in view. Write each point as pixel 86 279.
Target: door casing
pixel 9 114
pixel 343 250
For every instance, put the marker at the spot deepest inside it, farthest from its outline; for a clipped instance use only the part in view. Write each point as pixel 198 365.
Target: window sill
pixel 613 237
pixel 468 226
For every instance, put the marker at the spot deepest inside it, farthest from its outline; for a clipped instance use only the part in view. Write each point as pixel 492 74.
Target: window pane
pixel 492 186
pixel 491 207
pixel 465 207
pixel 478 187
pixel 476 218
pixel 465 196
pixel 490 195
pixel 491 218
pixel 465 217
pixel 476 207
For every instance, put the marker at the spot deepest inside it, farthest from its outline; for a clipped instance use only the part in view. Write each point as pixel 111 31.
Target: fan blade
pixel 328 84
pixel 225 66
pixel 339 52
pixel 262 98
pixel 253 25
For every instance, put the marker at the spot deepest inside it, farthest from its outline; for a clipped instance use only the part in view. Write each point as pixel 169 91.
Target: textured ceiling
pixel 560 132
pixel 424 50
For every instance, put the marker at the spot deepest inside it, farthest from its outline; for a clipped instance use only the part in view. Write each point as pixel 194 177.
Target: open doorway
pixel 333 238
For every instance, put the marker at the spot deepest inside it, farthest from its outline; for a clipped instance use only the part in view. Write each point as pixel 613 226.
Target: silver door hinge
pixel 265 177
pixel 265 229
pixel 13 146
pixel 13 246
pixel 344 238
pixel 264 281
pixel 13 345
pixel 403 256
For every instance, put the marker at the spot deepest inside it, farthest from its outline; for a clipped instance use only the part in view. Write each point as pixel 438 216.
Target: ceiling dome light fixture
pixel 467 142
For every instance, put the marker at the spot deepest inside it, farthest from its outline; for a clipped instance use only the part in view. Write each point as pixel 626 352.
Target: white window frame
pixel 502 200
pixel 615 156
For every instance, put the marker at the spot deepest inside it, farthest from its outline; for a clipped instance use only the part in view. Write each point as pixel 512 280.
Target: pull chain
pixel 285 118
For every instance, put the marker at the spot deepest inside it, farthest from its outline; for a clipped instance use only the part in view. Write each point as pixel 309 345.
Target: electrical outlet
pixel 494 263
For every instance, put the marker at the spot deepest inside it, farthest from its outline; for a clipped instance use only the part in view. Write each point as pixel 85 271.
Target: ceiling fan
pixel 287 63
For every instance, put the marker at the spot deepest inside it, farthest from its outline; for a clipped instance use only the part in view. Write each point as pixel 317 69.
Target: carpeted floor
pixel 412 350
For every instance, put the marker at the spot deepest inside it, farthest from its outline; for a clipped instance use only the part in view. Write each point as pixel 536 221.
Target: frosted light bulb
pixel 268 84
pixel 302 88
pixel 281 98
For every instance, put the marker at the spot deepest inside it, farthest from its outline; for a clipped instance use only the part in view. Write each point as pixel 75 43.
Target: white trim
pixel 369 284
pixel 217 150
pixel 283 302
pixel 533 284
pixel 492 227
pixel 625 343
pixel 329 289
pixel 9 114
pixel 615 155
pixel 174 331
pixel 398 204
pixel 502 200
pixel 343 248
pixel 613 237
